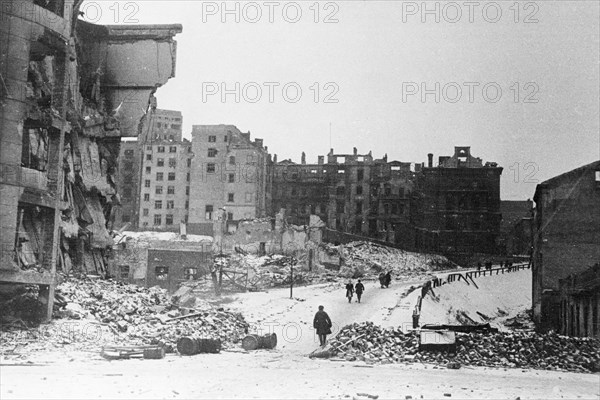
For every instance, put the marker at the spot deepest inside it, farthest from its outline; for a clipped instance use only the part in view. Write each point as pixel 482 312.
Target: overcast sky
pixel 364 70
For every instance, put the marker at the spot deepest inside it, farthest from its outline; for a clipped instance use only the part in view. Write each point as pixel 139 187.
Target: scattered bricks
pixel 135 316
pixel 501 350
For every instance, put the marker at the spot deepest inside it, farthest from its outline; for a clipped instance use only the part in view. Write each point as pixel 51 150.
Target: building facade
pixel 579 303
pixel 155 174
pixel 456 205
pixel 565 237
pixel 229 175
pixel 70 90
pixel 350 192
pixel 516 227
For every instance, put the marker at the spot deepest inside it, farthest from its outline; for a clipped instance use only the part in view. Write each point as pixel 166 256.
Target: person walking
pixel 349 291
pixel 382 279
pixel 388 279
pixel 322 323
pixel 359 288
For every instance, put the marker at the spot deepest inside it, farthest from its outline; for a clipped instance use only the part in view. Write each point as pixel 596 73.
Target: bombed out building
pixel 565 249
pixel 229 177
pixel 154 169
pixel 352 193
pixel 69 91
pixel 456 205
pixel 452 208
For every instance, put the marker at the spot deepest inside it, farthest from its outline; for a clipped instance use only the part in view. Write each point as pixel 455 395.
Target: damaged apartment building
pixel 155 175
pixel 452 208
pixel 456 206
pixel 69 91
pixel 566 253
pixel 352 193
pixel 229 176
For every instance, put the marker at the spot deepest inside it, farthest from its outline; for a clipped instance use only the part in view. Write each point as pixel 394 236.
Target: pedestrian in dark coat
pixel 388 279
pixel 382 279
pixel 359 288
pixel 322 324
pixel 349 291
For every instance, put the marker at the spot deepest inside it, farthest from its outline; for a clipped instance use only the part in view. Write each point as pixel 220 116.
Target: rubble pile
pixel 19 303
pixel 269 271
pixel 127 315
pixel 366 258
pixel 371 343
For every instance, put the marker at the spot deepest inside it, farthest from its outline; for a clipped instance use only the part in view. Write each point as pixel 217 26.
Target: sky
pixel 516 81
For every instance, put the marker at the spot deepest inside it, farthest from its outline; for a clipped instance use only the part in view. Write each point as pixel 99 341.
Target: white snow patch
pixel 497 297
pixel 152 235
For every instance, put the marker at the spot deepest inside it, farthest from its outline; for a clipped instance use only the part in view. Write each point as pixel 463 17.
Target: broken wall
pixel 142 262
pixel 272 237
pixel 62 111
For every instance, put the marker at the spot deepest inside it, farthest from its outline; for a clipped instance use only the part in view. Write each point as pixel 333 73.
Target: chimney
pixel 430 160
pixel 303 159
pixel 321 160
pixel 274 158
pixel 355 151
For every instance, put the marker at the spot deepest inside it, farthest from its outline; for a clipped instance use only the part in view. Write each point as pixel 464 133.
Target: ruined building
pixel 69 91
pixel 154 180
pixel 516 227
pixel 350 193
pixel 229 177
pixel 579 303
pixel 456 205
pixel 565 243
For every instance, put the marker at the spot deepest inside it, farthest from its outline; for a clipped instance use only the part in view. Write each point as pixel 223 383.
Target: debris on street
pixel 367 258
pixel 373 344
pixel 112 312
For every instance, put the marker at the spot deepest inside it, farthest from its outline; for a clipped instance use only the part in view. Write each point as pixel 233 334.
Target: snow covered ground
pixel 146 236
pixel 490 299
pixel 277 375
pixel 286 372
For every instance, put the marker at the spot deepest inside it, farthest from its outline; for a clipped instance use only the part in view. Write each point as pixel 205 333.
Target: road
pixel 286 372
pixel 291 319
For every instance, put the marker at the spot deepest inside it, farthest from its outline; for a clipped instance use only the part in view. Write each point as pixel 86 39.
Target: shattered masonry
pixel 69 91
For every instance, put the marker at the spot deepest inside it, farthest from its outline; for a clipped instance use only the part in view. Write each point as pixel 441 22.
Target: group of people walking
pixel 488 265
pixel 359 288
pixel 322 322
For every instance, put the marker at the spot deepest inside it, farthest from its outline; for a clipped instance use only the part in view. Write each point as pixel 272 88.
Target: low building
pixel 579 303
pixel 160 258
pixel 565 237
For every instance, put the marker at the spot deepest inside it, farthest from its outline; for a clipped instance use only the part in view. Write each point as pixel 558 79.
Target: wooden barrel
pixel 250 342
pixel 155 353
pixel 209 345
pixel 253 342
pixel 189 345
pixel 267 341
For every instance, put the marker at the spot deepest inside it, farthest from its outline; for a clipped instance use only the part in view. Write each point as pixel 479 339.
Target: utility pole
pixel 291 280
